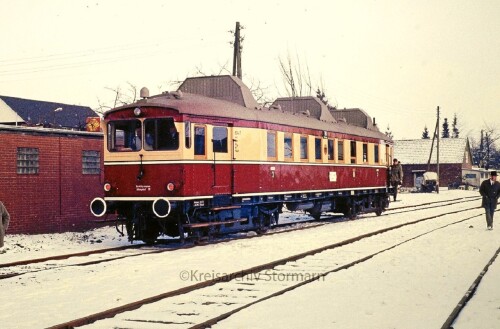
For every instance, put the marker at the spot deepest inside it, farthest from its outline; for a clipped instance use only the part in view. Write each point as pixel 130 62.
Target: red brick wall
pixel 57 198
pixel 448 173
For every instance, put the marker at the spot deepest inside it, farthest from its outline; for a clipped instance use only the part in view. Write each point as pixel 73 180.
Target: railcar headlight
pixel 107 187
pixel 170 187
pixel 137 111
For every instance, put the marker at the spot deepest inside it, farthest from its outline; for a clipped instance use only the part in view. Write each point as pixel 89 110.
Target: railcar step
pixel 225 208
pixel 195 225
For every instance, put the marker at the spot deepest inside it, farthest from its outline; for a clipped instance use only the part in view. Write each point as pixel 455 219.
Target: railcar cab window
pixel 161 135
pixel 124 135
pixel 220 139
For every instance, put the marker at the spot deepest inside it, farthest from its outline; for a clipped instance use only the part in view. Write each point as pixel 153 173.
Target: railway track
pixel 254 285
pixel 12 269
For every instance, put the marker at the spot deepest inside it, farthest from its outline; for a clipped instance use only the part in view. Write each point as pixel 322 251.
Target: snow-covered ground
pixel 392 290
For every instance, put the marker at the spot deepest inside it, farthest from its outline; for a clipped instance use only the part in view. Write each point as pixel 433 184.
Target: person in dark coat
pixel 490 191
pixel 4 223
pixel 396 176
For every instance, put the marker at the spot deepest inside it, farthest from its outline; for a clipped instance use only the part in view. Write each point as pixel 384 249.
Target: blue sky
pixel 398 60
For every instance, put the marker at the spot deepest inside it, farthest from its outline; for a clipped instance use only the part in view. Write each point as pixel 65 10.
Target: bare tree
pixel 120 98
pixel 297 82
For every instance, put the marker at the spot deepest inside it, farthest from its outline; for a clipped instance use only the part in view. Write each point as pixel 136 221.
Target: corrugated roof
pixel 40 112
pixel 417 151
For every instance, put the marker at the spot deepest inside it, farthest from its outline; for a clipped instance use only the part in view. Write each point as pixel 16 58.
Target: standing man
pixel 396 176
pixel 4 223
pixel 490 191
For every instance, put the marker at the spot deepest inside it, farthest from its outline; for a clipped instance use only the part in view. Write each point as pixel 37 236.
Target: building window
pixel 27 161
pixel 331 149
pixel 303 147
pixel 220 139
pixel 91 162
pixel 271 145
pixel 288 142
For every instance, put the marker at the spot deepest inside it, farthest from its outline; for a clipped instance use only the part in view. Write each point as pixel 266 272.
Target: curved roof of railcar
pixel 194 104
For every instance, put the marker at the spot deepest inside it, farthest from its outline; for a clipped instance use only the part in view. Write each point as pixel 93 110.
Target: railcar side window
pixel 340 150
pixel 220 139
pixel 353 151
pixel 317 148
pixel 271 145
pixel 187 133
pixel 288 147
pixel 124 135
pixel 365 152
pixel 303 147
pixel 331 150
pixel 376 154
pixel 161 135
pixel 199 140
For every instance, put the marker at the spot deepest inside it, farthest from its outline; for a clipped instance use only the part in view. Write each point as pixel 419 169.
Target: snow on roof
pixel 37 112
pixel 417 151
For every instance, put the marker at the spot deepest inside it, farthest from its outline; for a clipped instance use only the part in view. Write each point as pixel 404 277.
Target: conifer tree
pixel 446 129
pixel 425 134
pixel 455 132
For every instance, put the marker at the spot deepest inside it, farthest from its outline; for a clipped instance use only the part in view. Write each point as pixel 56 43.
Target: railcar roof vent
pixel 225 87
pixel 144 93
pixel 355 117
pixel 309 106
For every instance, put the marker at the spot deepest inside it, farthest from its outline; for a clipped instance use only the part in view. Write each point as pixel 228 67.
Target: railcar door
pixel 222 167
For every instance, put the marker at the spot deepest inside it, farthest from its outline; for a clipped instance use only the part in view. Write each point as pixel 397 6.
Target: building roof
pixel 15 110
pixel 417 151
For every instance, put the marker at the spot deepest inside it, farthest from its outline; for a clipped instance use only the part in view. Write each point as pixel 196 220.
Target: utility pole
pixel 237 52
pixel 437 183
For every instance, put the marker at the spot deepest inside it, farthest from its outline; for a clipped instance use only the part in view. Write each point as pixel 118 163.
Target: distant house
pixel 27 112
pixel 454 159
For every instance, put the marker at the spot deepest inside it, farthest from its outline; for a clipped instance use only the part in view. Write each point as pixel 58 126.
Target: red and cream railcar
pixel 207 157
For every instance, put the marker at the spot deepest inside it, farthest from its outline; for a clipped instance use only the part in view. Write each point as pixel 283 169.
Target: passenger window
pixel 317 148
pixel 187 134
pixel 303 147
pixel 220 139
pixel 340 150
pixel 288 147
pixel 376 154
pixel 199 140
pixel 365 152
pixel 353 151
pixel 271 145
pixel 331 149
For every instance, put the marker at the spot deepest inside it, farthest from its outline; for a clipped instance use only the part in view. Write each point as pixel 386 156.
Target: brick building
pixel 49 177
pixel 454 159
